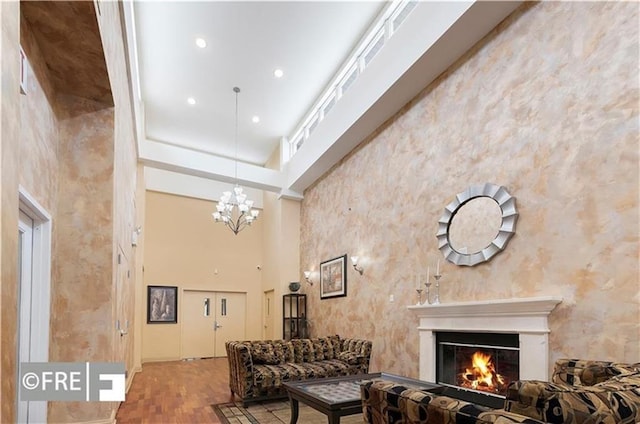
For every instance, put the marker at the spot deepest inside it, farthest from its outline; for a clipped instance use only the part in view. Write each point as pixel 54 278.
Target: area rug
pixel 273 413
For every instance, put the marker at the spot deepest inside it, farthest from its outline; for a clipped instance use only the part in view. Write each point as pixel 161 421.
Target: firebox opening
pixel 479 363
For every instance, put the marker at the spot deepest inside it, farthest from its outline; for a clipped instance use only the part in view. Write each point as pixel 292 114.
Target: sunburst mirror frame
pixel 507 205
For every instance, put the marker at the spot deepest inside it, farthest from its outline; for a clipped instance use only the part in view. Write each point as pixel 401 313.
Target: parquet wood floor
pixel 176 392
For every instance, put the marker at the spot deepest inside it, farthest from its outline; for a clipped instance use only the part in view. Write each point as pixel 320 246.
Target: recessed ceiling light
pixel 191 101
pixel 255 119
pixel 278 73
pixel 201 42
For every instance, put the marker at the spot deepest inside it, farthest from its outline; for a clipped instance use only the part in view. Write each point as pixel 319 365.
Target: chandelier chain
pixel 237 91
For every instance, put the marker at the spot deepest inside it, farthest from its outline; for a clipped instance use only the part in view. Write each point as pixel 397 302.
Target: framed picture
pixel 162 304
pixel 333 277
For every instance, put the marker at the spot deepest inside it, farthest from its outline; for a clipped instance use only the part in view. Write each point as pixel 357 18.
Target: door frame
pixel 41 292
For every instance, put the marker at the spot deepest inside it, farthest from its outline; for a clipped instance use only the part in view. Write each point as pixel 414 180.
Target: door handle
pixel 216 325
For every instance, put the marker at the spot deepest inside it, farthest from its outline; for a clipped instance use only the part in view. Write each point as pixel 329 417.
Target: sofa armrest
pixel 358 352
pixel 551 402
pixel 240 368
pixel 583 372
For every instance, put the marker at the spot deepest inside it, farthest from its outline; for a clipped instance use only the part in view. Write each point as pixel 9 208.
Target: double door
pixel 209 320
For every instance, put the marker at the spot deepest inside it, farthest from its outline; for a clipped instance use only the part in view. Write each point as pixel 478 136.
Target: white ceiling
pixel 246 42
pixel 194 145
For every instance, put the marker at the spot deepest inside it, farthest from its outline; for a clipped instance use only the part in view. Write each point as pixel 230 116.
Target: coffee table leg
pixel 294 410
pixel 334 419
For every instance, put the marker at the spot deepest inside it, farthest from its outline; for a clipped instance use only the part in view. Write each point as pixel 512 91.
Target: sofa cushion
pixel 263 352
pixel 335 343
pixel 319 349
pixel 304 350
pixel 260 357
pixel 350 358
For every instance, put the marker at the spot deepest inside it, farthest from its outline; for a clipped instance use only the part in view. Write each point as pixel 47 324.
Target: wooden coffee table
pixel 339 396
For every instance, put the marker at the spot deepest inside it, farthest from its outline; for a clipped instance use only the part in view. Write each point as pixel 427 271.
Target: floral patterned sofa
pixel 581 392
pixel 258 368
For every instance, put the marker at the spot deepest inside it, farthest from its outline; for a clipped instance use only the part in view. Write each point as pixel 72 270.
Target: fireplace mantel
pixel 528 317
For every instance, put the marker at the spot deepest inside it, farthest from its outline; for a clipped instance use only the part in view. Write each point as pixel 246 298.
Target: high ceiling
pixel 245 43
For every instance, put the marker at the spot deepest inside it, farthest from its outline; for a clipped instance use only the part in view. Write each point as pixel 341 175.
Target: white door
pixel 230 321
pixel 25 259
pixel 268 314
pixel 198 320
pixel 34 296
pixel 209 320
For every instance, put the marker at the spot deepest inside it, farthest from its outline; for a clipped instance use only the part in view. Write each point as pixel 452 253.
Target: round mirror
pixel 477 225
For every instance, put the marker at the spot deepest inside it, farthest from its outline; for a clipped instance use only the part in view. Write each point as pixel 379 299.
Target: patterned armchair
pixel 258 368
pixel 581 391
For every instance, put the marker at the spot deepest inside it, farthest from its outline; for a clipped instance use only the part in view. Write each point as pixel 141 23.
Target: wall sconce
pixel 307 277
pixel 354 261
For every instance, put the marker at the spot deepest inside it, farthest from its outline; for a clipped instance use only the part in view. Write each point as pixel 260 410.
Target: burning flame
pixel 482 375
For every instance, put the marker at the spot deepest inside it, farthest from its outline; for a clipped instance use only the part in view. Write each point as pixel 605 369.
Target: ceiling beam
pixel 179 159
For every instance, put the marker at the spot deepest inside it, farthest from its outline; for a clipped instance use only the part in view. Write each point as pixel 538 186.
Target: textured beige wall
pixel 82 289
pixel 69 150
pixel 184 247
pixel 124 180
pixel 39 138
pixel 9 179
pixel 546 105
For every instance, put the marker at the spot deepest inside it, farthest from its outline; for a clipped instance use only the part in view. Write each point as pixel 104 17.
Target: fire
pixel 482 375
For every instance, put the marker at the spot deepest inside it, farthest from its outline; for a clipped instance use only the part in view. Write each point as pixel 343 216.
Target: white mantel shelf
pixel 525 316
pixel 500 307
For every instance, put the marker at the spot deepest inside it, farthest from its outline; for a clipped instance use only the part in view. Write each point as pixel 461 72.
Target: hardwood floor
pixel 176 392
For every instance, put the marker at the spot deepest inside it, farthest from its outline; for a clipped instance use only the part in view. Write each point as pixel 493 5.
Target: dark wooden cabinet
pixel 294 316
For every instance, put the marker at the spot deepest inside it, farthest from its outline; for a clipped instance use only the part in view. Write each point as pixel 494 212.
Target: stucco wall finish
pixel 9 174
pixel 546 105
pixel 125 169
pixel 39 133
pixel 81 312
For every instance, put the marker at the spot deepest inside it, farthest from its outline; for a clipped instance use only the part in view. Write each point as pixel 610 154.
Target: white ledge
pixel 500 307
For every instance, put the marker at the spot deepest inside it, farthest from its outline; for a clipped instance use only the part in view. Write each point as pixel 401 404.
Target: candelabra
pixel 419 291
pixel 427 284
pixel 436 299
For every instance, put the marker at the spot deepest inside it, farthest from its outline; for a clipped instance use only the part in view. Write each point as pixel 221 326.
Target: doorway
pixel 209 320
pixel 268 317
pixel 34 295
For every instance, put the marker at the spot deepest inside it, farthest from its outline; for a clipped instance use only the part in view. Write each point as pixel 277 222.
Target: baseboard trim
pixel 146 360
pixel 133 373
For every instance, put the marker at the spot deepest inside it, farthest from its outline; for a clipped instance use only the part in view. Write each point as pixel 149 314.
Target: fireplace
pixel 482 362
pixel 524 320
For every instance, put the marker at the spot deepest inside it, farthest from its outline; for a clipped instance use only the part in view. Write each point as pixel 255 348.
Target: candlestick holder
pixel 419 291
pixel 436 299
pixel 427 284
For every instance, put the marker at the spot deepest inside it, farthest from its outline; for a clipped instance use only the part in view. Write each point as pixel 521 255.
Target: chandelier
pixel 234 209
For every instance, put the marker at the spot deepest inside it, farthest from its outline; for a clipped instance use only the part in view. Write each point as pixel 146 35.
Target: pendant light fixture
pixel 234 209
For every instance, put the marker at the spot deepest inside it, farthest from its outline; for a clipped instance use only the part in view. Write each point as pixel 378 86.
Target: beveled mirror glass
pixel 477 225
